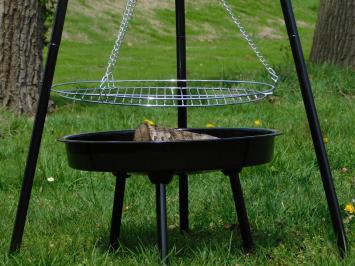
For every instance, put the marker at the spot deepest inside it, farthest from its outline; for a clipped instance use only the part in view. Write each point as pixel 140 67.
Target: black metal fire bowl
pixel 115 151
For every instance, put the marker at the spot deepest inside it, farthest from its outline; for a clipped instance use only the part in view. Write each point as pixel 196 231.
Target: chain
pixel 124 26
pixel 250 41
pixel 120 36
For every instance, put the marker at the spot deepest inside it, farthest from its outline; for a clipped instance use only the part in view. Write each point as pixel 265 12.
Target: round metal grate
pixel 165 93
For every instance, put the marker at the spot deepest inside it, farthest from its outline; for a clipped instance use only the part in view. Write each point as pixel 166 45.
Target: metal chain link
pixel 124 26
pixel 120 36
pixel 250 41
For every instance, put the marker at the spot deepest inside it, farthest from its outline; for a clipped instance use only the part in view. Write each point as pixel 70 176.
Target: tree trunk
pixel 334 37
pixel 21 29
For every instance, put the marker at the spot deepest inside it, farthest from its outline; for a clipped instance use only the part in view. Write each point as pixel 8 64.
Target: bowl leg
pixel 117 209
pixel 162 228
pixel 241 209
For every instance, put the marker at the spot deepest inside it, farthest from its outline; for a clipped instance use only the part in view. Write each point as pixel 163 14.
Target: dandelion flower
pixel 50 179
pixel 149 122
pixel 257 122
pixel 210 125
pixel 344 169
pixel 349 208
pixel 326 140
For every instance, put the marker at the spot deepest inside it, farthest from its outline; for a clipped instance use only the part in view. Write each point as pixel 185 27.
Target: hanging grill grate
pixel 165 93
pixel 160 93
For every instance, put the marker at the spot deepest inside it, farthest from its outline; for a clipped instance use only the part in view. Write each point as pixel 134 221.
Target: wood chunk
pixel 147 132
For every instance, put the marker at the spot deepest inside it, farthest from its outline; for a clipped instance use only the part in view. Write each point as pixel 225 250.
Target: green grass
pixel 68 220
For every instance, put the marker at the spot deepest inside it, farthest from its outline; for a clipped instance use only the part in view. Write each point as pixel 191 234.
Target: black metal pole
pixel 38 127
pixel 181 58
pixel 184 202
pixel 182 111
pixel 117 209
pixel 314 125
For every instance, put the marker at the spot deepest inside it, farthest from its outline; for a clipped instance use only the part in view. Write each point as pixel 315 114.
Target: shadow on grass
pixel 135 239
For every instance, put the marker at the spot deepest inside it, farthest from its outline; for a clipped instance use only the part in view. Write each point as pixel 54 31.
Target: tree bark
pixel 334 37
pixel 21 31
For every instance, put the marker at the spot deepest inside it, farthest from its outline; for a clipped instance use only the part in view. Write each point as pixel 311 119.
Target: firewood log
pixel 146 132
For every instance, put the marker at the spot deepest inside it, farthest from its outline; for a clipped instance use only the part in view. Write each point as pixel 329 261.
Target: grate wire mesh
pixel 160 93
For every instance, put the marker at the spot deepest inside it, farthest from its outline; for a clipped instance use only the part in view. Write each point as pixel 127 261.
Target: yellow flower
pixel 326 140
pixel 257 122
pixel 349 208
pixel 149 122
pixel 210 125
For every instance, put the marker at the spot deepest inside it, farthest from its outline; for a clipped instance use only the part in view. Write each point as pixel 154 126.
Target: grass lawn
pixel 69 219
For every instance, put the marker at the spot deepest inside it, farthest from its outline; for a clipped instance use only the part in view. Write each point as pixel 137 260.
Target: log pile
pixel 147 132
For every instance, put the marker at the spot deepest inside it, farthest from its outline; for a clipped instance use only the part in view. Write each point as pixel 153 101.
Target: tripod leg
pixel 184 202
pixel 314 125
pixel 117 210
pixel 241 210
pixel 38 126
pixel 162 228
